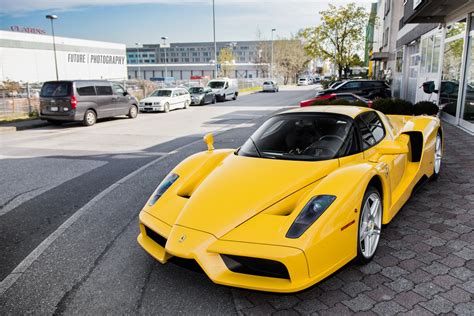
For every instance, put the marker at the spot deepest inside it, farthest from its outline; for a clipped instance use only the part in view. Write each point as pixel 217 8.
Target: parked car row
pixel 88 100
pixel 352 90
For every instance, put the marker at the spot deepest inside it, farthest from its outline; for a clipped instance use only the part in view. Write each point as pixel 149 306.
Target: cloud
pixel 14 7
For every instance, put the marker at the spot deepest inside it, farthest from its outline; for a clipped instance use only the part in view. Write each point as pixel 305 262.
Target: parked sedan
pixel 166 100
pixel 201 95
pixel 351 97
pixel 270 86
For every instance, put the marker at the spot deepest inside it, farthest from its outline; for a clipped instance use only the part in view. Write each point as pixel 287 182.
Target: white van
pixel 224 88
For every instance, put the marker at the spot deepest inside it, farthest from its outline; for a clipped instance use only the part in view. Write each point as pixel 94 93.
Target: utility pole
pixel 164 38
pixel 54 17
pixel 214 29
pixel 271 67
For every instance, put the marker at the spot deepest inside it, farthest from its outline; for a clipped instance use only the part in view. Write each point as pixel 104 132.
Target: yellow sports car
pixel 308 192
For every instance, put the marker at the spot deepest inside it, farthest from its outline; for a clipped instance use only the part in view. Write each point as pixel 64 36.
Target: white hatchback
pixel 166 100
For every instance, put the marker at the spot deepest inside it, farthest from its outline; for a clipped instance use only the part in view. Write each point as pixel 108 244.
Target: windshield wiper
pixel 256 147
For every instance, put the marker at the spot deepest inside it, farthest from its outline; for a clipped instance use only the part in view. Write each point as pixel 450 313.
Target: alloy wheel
pixel 370 225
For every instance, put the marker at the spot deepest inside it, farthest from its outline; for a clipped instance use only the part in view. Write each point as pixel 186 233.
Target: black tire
pixel 361 257
pixel 214 100
pixel 133 112
pixel 90 118
pixel 167 107
pixel 437 170
pixel 203 101
pixel 54 122
pixel 186 104
pixel 235 96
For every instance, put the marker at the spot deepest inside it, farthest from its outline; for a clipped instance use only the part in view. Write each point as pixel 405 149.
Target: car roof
pixel 351 111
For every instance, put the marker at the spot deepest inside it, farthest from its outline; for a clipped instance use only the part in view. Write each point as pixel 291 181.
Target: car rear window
pixel 267 82
pixel 56 89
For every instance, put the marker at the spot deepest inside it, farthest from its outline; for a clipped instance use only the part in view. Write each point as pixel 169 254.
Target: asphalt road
pixel 69 204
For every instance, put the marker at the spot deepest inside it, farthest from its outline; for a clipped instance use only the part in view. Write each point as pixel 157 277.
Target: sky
pixel 146 21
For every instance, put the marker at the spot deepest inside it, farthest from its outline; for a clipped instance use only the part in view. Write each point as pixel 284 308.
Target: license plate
pixel 53 109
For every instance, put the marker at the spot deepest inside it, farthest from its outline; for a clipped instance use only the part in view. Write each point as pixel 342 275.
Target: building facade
pixel 183 60
pixel 435 44
pixel 30 58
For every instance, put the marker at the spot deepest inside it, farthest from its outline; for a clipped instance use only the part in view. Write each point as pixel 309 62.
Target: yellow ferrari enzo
pixel 308 192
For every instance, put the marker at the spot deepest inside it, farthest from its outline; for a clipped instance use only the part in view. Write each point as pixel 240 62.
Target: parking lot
pixel 69 225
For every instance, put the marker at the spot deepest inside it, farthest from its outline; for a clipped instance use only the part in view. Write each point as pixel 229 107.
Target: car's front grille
pixel 160 240
pixel 256 266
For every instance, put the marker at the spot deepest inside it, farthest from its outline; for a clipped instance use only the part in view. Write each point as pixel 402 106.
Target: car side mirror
pixel 209 140
pixel 393 147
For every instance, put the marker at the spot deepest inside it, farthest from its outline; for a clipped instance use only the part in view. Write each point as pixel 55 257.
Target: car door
pixel 175 99
pixel 121 99
pixel 372 131
pixel 105 102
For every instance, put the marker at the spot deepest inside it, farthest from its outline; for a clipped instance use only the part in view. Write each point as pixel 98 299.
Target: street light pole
pixel 214 30
pixel 138 60
pixel 271 69
pixel 164 38
pixel 54 17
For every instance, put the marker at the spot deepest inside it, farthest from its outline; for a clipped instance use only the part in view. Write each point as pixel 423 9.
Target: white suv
pixel 166 100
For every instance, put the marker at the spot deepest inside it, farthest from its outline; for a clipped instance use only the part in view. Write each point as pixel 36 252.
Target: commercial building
pixel 30 58
pixel 435 43
pixel 183 60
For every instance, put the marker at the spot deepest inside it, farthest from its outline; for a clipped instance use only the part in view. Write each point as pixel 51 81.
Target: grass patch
pixel 12 118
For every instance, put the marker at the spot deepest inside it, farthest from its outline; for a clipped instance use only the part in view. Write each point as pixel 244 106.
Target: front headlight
pixel 161 189
pixel 310 213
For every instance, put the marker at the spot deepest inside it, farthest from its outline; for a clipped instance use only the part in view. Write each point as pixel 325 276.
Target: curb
pixel 20 126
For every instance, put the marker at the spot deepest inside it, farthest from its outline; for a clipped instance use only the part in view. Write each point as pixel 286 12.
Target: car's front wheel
pixel 235 96
pixel 167 107
pixel 133 112
pixel 438 156
pixel 370 225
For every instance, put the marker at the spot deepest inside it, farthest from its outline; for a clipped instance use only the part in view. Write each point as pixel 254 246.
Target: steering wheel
pixel 332 136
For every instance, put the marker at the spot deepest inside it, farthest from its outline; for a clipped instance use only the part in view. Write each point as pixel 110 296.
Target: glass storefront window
pixel 453 49
pixel 468 104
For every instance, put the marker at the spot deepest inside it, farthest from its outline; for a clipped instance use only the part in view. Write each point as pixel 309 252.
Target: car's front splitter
pixel 207 250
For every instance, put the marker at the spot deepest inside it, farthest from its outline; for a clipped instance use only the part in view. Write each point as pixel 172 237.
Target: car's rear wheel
pixel 90 118
pixel 370 225
pixel 133 112
pixel 167 107
pixel 438 156
pixel 186 105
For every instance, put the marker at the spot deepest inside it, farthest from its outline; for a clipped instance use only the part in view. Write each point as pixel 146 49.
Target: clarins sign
pixel 27 29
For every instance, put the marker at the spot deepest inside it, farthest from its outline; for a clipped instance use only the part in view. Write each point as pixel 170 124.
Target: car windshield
pixel 196 90
pixel 161 93
pixel 216 84
pixel 336 84
pixel 56 89
pixel 308 136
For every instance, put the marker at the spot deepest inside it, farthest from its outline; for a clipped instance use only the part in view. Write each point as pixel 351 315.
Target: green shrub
pixel 326 83
pixel 394 106
pixel 425 107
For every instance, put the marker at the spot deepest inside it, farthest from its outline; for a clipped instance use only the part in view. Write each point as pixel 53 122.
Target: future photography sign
pixel 100 59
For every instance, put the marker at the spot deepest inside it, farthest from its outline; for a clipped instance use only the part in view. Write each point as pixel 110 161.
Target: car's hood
pixel 241 187
pixel 154 99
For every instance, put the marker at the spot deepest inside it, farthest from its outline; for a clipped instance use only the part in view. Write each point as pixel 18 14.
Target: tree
pixel 339 37
pixel 11 86
pixel 290 58
pixel 226 59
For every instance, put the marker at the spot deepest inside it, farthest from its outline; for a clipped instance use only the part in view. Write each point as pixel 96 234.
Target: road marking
pixel 38 251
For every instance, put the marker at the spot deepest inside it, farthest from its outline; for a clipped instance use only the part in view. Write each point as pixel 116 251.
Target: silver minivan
pixel 85 101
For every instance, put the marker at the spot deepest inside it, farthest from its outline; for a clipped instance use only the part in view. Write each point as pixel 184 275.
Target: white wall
pixel 30 58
